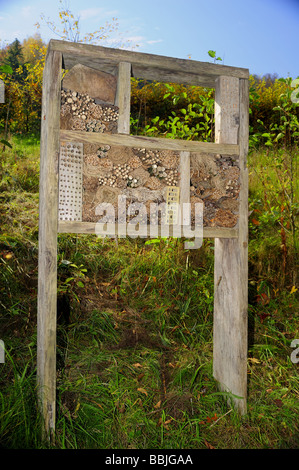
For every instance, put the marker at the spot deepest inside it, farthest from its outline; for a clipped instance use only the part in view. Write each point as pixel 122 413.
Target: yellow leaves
pixel 293 290
pixel 138 401
pixel 158 405
pixel 165 423
pixel 77 407
pixel 253 360
pixel 137 364
pixel 173 366
pixel 142 390
pixel 65 14
pixel 98 404
pixel 275 291
pixel 208 445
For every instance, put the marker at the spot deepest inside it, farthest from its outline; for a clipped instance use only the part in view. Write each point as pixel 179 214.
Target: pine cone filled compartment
pixel 139 175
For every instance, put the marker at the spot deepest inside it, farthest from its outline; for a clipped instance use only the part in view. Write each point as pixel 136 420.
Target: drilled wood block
pixel 172 205
pixel 70 181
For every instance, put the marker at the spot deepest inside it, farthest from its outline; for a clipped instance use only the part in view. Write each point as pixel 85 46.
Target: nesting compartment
pixel 139 174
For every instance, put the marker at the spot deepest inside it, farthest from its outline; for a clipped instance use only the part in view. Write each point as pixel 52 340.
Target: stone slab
pixel 98 85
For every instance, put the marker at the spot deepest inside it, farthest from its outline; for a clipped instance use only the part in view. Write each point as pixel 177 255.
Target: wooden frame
pixel 231 124
pixel 47 255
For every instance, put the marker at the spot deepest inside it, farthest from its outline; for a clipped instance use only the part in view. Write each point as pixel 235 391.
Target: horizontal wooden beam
pixel 147 72
pixel 89 228
pixel 156 143
pixel 147 66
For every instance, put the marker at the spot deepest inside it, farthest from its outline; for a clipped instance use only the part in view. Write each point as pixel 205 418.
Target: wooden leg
pixel 47 260
pixel 231 255
pixel 230 320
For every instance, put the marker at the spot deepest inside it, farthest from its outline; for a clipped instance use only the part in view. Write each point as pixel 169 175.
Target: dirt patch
pixel 91 303
pixel 176 406
pixel 173 404
pixel 69 402
pixel 165 373
pixel 100 369
pixel 134 330
pixel 137 337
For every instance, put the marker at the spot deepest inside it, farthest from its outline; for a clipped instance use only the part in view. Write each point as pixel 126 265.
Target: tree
pixel 22 108
pixel 70 29
pixel 21 111
pixel 32 48
pixel 15 59
pixel 268 78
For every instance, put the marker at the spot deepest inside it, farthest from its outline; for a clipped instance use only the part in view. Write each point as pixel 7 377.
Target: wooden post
pixel 123 97
pixel 231 259
pixel 48 225
pixel 185 185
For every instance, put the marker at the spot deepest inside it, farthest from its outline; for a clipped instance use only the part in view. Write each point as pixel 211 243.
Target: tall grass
pixel 274 204
pixel 20 424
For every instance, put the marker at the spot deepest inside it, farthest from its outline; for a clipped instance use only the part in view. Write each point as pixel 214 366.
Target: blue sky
pixel 261 35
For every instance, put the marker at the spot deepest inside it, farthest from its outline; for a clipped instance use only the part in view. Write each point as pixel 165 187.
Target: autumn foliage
pixel 23 89
pixel 155 107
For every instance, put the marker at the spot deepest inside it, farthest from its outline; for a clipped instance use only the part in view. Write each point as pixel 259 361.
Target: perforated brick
pixel 70 181
pixel 172 205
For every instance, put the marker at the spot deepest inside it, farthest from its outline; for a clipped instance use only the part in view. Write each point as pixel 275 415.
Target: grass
pixel 274 196
pixel 134 339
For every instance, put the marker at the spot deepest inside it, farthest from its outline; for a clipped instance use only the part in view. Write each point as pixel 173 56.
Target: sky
pixel 261 35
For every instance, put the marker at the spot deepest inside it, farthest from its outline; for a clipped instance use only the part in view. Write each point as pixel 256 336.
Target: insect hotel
pixel 89 163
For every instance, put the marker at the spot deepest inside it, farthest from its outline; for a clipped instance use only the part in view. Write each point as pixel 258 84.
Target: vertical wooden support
pixel 184 185
pixel 123 101
pixel 231 255
pixel 47 256
pixel 123 97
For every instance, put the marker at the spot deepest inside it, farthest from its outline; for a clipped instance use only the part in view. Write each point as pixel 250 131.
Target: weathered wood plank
pixel 169 76
pixel 123 97
pixel 145 72
pixel 47 256
pixel 185 185
pixel 230 273
pixel 148 66
pixel 243 235
pixel 227 110
pixel 148 142
pixel 89 227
